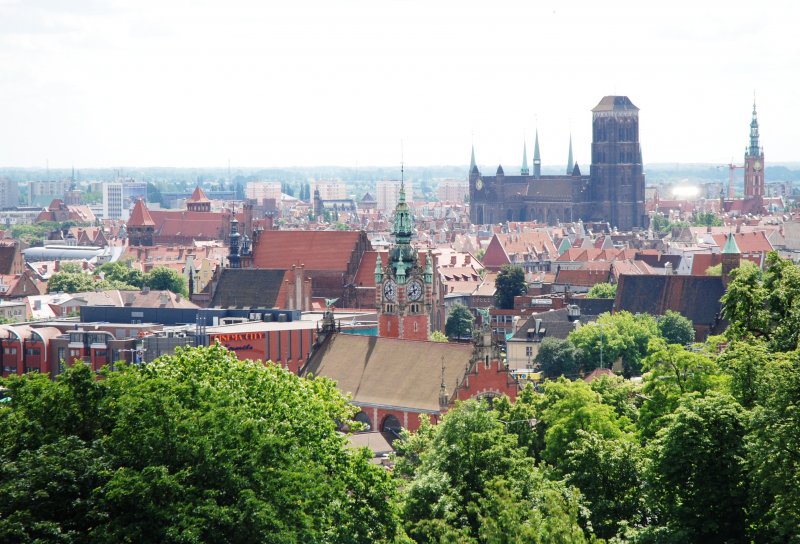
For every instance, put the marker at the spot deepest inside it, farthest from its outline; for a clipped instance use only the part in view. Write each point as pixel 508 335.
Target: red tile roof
pixel 140 216
pixel 748 242
pixel 317 250
pixel 198 195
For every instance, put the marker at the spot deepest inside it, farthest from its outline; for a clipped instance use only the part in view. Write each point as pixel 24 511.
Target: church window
pixel 415 326
pixel 486 362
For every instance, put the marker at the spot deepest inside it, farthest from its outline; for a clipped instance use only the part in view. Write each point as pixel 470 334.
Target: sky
pixel 199 83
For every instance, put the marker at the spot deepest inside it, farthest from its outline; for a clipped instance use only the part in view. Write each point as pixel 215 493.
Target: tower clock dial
pixel 414 290
pixel 389 290
pixel 479 184
pixel 757 166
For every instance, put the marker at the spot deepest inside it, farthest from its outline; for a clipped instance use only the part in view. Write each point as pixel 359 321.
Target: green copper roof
pixel 524 170
pixel 730 246
pixel 570 161
pixel 754 147
pixel 536 157
pixel 564 246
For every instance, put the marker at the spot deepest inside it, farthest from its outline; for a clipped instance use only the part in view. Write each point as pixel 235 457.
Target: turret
pixel 537 160
pixel 429 268
pixel 233 254
pixel 731 258
pixel 378 271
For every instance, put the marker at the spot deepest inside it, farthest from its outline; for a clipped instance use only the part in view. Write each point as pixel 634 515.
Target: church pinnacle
pixel 537 161
pixel 524 170
pixel 472 164
pixel 570 160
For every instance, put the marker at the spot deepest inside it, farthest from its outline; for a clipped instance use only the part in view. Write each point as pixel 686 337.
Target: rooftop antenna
pixel 402 173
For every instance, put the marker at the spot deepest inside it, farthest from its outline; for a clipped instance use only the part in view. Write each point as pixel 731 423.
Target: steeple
pixel 570 160
pixel 537 161
pixel 472 164
pixel 731 247
pixel 754 149
pixel 233 248
pixel 524 170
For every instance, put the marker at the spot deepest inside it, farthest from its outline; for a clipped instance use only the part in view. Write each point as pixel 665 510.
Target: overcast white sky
pixel 195 83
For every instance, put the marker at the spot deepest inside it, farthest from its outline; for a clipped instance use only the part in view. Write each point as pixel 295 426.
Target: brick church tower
pixel 754 163
pixel 404 285
pixel 617 176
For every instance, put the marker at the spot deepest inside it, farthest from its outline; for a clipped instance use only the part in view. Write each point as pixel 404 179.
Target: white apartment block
pixel 387 193
pixel 259 190
pixel 329 190
pixel 120 196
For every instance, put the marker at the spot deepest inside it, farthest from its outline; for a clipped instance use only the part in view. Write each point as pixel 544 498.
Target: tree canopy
pixel 459 322
pixel 510 282
pixel 196 447
pixel 602 290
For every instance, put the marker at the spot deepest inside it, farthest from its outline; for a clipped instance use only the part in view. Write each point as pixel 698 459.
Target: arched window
pixel 391 425
pixel 362 417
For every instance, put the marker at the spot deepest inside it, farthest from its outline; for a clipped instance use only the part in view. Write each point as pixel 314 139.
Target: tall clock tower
pixel 754 163
pixel 404 285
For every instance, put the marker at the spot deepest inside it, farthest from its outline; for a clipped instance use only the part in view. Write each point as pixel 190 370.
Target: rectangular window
pixel 528 351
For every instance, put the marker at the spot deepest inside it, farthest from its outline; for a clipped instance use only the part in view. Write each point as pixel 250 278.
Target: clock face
pixel 389 290
pixel 414 290
pixel 479 184
pixel 757 166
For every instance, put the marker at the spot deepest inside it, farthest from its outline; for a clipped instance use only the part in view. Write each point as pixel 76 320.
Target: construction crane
pixel 731 172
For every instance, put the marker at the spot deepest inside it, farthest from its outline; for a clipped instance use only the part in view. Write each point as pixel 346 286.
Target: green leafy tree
pixel 162 278
pixel 509 283
pixel 438 336
pixel 602 290
pixel 744 303
pixel 621 335
pixel 773 444
pixel 696 477
pixel 557 357
pixel 122 272
pixel 466 470
pixel 608 473
pixel 715 270
pixel 459 322
pixel 195 447
pixel 671 371
pixel 675 329
pixel 70 282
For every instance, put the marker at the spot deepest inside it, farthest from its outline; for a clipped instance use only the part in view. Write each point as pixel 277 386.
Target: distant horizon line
pixel 357 167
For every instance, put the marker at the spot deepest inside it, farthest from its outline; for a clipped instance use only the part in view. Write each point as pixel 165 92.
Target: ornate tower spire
pixel 524 170
pixel 754 150
pixel 570 160
pixel 537 161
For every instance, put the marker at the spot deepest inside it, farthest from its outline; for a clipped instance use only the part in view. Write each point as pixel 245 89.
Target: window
pixel 100 353
pixel 33 351
pixel 529 351
pixel 415 326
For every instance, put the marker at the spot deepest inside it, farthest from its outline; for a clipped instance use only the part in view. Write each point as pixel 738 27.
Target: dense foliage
pixel 117 275
pixel 510 282
pixel 459 322
pixel 197 447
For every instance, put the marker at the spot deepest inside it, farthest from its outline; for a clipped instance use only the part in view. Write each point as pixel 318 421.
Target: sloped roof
pixel 9 254
pixel 247 287
pixel 390 371
pixel 615 103
pixel 198 195
pixel 694 297
pixel 140 216
pixel 747 242
pixel 583 277
pixel 317 250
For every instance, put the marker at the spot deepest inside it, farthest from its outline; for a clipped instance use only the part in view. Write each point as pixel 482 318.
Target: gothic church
pixel 613 191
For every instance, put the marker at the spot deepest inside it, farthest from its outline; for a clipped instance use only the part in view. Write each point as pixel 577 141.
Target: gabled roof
pixel 198 195
pixel 745 242
pixel 389 371
pixel 317 250
pixel 140 216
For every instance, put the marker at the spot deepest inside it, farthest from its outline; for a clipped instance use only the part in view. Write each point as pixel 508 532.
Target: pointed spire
pixel 570 160
pixel 730 246
pixel 472 164
pixel 537 160
pixel 524 170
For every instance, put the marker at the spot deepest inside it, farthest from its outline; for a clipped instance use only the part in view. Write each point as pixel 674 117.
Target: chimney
pixel 85 265
pixel 56 266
